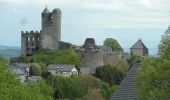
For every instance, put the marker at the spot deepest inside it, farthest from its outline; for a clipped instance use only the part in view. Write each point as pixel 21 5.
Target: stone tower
pixel 93 57
pixel 139 49
pixel 51 29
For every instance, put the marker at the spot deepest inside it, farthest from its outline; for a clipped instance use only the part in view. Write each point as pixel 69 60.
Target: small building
pixel 63 70
pixel 27 66
pixel 139 49
pixel 20 72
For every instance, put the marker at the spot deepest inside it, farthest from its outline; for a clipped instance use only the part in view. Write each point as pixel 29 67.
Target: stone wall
pixel 137 52
pixel 30 42
pixel 93 59
pixel 64 45
pixel 51 29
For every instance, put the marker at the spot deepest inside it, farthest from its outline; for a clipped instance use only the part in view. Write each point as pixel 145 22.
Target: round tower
pixel 51 29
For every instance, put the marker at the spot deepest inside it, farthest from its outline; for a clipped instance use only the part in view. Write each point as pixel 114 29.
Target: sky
pixel 124 20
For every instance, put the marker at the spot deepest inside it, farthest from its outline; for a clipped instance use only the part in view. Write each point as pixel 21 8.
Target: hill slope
pixel 8 51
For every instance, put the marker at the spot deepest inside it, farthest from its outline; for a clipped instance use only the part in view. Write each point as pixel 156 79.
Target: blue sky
pixel 124 20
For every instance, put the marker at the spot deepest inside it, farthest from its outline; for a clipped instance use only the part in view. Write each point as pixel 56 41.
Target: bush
pixel 111 75
pixel 77 86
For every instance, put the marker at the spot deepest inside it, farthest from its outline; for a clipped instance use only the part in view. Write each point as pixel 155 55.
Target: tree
pixel 93 94
pixel 164 45
pixel 43 58
pixel 46 57
pixel 134 59
pixel 153 79
pixel 77 86
pixel 113 43
pixel 11 89
pixel 35 69
pixel 111 75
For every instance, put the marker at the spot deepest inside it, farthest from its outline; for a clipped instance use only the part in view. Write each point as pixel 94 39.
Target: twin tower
pixel 47 38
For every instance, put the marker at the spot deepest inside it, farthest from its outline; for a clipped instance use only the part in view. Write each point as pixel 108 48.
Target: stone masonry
pixel 47 38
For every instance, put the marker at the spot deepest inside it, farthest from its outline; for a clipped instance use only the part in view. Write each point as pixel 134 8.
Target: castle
pixel 48 38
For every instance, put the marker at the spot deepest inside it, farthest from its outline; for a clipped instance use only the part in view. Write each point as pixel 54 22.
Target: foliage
pixel 164 45
pixel 109 74
pixel 11 89
pixel 113 43
pixel 46 57
pixel 135 60
pixel 36 70
pixel 93 94
pixel 77 86
pixel 120 64
pixel 153 79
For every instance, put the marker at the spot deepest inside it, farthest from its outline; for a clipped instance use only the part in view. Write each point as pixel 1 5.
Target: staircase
pixel 127 89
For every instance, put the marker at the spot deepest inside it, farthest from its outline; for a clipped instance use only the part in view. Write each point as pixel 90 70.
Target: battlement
pixel 30 32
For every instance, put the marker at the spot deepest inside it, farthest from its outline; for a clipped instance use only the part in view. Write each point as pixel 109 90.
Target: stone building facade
pixel 139 49
pixel 49 36
pixel 30 42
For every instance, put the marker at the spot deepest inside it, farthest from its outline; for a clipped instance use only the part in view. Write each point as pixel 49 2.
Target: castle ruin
pixel 93 57
pixel 49 36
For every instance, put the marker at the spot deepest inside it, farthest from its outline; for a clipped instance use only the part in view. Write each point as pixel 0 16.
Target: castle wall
pixel 29 42
pixel 93 59
pixel 64 45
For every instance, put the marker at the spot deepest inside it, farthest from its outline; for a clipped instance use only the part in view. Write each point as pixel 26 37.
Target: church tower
pixel 51 29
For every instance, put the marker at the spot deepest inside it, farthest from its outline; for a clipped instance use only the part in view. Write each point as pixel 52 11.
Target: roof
pixel 26 65
pixel 61 67
pixel 127 88
pixel 46 11
pixel 18 70
pixel 139 45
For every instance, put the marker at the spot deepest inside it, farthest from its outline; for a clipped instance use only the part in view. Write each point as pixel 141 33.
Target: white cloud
pixel 148 14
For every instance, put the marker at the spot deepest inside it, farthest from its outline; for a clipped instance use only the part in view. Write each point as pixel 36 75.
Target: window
pixel 28 38
pixel 33 39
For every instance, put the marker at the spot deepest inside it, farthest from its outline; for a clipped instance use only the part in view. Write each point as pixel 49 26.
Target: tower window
pixel 28 38
pixel 33 38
